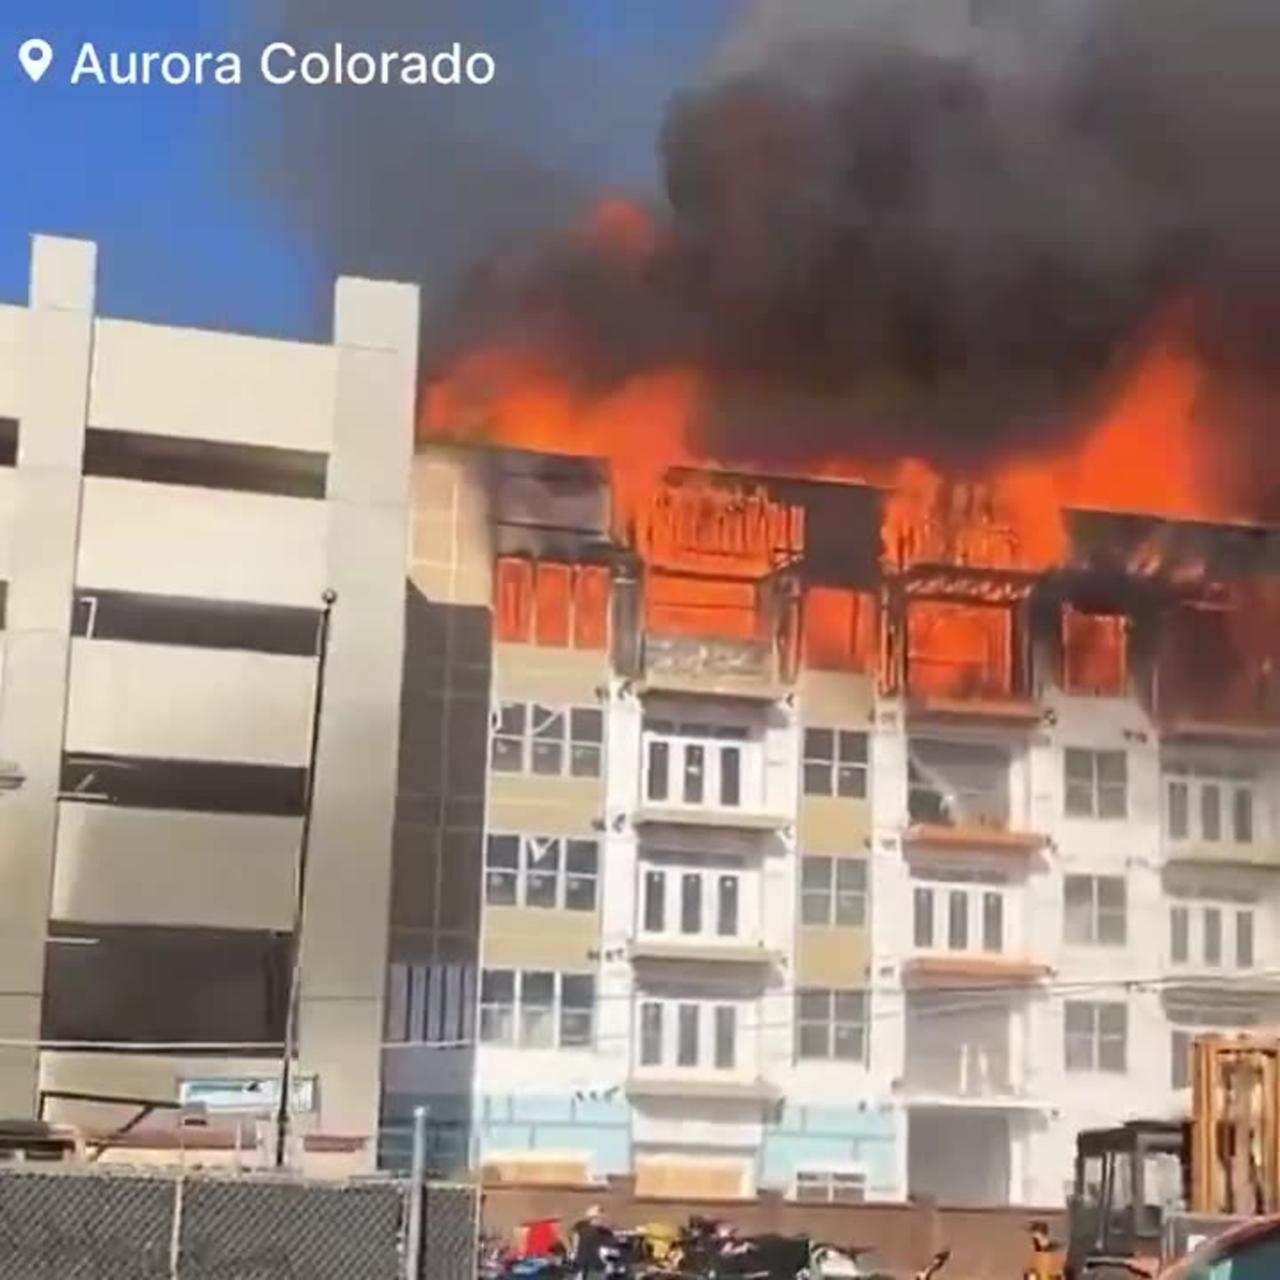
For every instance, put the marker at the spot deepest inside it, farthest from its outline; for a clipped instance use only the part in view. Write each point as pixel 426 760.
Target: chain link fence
pixel 64 1224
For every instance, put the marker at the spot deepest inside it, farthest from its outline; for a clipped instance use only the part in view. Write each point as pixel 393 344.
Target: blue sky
pixel 162 177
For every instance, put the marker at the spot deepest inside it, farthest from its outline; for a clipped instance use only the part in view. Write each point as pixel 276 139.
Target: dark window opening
pixel 8 442
pixel 204 464
pixel 197 624
pixel 206 786
pixel 125 985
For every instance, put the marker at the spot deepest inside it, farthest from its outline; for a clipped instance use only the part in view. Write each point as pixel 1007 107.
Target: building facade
pixel 781 857
pixel 173 505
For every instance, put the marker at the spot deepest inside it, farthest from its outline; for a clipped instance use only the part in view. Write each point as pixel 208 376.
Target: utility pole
pixel 284 1103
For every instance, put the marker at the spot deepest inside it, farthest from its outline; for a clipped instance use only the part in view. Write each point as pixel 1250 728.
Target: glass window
pixel 726 1036
pixel 819 758
pixel 1113 1026
pixel 659 766
pixel 1242 815
pixel 581 874
pixel 655 901
pixel 992 922
pixel 542 871
pixel 577 1010
pixel 547 740
pixel 497 1006
pixel 502 870
pixel 1112 911
pixel 1244 939
pixel 1078 782
pixel 923 903
pixel 958 920
pixel 731 776
pixel 1212 937
pixel 1179 935
pixel 815 890
pixel 1078 1020
pixel 727 906
pixel 691 902
pixel 586 736
pixel 851 891
pixel 687 1016
pixel 1113 784
pixel 1210 812
pixel 537 1010
pixel 813 1024
pixel 1178 810
pixel 1077 898
pixel 694 773
pixel 851 765
pixel 650 1034
pixel 507 748
pixel 849 1039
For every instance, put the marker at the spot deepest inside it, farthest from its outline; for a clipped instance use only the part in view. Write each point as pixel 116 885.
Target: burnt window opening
pixel 8 442
pixel 129 985
pixel 195 623
pixel 204 464
pixel 202 786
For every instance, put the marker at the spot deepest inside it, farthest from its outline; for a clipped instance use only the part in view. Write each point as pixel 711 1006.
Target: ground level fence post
pixel 417 1196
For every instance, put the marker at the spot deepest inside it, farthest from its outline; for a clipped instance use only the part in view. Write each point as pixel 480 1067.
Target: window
pixel 429 1003
pixel 706 901
pixel 550 604
pixel 537 1009
pixel 833 891
pixel 688 1034
pixel 655 902
pixel 1212 934
pixel 960 912
pixel 835 763
pixel 1207 802
pixel 546 872
pixel 1094 911
pixel 691 902
pixel 1096 783
pixel 727 906
pixel 650 1034
pixel 726 1023
pixel 1096 1036
pixel 547 741
pixel 700 765
pixel 830 1186
pixel 1180 1043
pixel 831 1024
pixel 957 784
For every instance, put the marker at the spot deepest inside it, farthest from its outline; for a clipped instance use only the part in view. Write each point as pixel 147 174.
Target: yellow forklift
pixel 1148 1191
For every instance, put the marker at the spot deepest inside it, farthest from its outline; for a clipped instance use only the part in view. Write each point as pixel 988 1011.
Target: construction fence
pixel 69 1222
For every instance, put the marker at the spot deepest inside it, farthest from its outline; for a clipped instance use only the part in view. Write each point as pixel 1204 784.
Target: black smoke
pixel 892 238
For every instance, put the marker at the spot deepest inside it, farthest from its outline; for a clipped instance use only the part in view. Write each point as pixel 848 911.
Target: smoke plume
pixel 943 229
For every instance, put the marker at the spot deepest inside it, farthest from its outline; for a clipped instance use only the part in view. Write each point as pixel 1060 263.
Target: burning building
pixel 824 836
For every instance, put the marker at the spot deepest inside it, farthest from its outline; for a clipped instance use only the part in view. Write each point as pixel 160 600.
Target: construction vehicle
pixel 1147 1191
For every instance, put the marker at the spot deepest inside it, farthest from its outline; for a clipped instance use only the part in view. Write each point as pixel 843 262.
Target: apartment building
pixel 746 850
pixel 173 506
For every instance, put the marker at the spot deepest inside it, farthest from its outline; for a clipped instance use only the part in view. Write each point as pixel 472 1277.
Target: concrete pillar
pixel 344 938
pixel 54 403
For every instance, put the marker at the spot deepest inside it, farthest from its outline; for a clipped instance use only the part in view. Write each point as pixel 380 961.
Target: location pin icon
pixel 36 57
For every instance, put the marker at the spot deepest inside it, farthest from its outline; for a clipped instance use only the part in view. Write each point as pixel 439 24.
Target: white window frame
pixel 1196 913
pixel 840 767
pixel 681 739
pixel 1196 780
pixel 707 1018
pixel 1096 1036
pixel 519 1008
pixel 828 1181
pixel 529 848
pixel 855 1023
pixel 709 876
pixel 1093 934
pixel 576 732
pixel 974 889
pixel 831 903
pixel 1094 797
